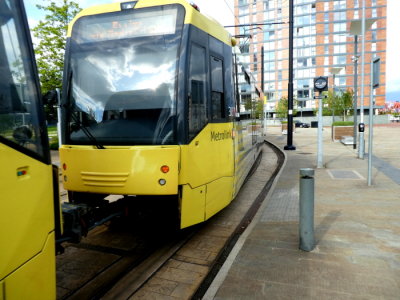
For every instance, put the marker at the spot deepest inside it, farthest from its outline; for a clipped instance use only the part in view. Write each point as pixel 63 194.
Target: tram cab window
pixel 217 89
pixel 19 123
pixel 197 91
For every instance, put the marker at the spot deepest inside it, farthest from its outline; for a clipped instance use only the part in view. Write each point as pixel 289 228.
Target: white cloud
pixel 32 22
pixel 221 10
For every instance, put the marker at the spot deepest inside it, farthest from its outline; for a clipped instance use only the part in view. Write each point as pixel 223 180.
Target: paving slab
pixel 357 227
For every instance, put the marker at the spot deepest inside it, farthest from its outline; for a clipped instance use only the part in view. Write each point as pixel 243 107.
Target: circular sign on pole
pixel 321 83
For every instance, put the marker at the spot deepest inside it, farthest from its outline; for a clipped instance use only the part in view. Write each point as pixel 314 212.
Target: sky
pixel 222 10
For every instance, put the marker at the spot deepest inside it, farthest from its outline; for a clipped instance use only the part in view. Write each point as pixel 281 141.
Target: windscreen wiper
pixel 83 127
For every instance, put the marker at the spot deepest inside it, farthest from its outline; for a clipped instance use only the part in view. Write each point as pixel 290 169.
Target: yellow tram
pixel 29 201
pixel 149 108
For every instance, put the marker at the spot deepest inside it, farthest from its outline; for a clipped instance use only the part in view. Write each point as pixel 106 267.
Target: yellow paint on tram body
pixel 134 170
pixel 26 228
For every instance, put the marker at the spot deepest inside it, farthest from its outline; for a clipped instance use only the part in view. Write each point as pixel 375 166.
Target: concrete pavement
pixel 357 227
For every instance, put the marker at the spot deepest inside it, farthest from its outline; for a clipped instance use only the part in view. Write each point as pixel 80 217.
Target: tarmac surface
pixel 357 227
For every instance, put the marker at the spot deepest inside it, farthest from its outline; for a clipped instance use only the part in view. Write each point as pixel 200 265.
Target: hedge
pixel 343 123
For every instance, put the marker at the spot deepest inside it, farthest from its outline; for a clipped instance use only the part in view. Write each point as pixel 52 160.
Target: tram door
pixel 27 254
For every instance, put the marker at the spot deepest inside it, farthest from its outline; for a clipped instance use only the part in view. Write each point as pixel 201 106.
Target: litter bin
pixel 314 124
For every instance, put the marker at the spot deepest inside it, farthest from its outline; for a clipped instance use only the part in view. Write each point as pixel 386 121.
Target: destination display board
pixel 136 23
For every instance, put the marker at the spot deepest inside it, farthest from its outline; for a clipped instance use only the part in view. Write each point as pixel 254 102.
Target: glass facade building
pixel 321 41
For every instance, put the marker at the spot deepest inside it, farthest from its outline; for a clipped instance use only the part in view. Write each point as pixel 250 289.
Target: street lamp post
pixel 355 59
pixel 375 74
pixel 361 149
pixel 357 28
pixel 334 71
pixel 320 85
pixel 290 145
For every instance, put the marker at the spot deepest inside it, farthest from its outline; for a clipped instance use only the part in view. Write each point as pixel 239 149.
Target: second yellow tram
pixel 149 108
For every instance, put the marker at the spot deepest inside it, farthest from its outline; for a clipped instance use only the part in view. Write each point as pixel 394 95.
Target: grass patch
pixel 52 129
pixel 53 143
pixel 53 137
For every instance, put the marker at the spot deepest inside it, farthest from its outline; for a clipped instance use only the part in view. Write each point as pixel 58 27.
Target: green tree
pixel 52 33
pixel 259 108
pixel 282 108
pixel 255 106
pixel 338 104
pixel 347 100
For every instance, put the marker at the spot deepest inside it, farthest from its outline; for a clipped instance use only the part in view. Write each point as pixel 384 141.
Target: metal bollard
pixel 306 230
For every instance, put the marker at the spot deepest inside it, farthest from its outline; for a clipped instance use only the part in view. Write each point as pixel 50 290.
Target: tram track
pixel 136 266
pixel 150 267
pixel 90 268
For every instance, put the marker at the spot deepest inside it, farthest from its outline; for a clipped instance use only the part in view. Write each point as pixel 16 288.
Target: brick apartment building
pixel 321 40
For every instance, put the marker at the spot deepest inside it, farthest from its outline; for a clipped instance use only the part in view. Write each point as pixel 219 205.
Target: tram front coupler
pixel 80 218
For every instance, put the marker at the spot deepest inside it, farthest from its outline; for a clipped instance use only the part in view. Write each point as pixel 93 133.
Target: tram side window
pixel 19 122
pixel 217 89
pixel 197 90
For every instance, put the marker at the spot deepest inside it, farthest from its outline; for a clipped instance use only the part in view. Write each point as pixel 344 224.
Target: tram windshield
pixel 122 77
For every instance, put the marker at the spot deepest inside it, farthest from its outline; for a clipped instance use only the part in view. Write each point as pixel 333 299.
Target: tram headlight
pixel 162 181
pixel 128 5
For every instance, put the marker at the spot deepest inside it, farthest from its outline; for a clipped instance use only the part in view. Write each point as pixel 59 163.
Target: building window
pixel 373 34
pixel 303 94
pixel 243 10
pixel 342 80
pixel 303 83
pixel 339 60
pixel 339 49
pixel 269 66
pixel 270 75
pixel 269 35
pixel 339 16
pixel 339 4
pixel 269 4
pixel 302 62
pixel 339 27
pixel 270 55
pixel 339 38
pixel 244 20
